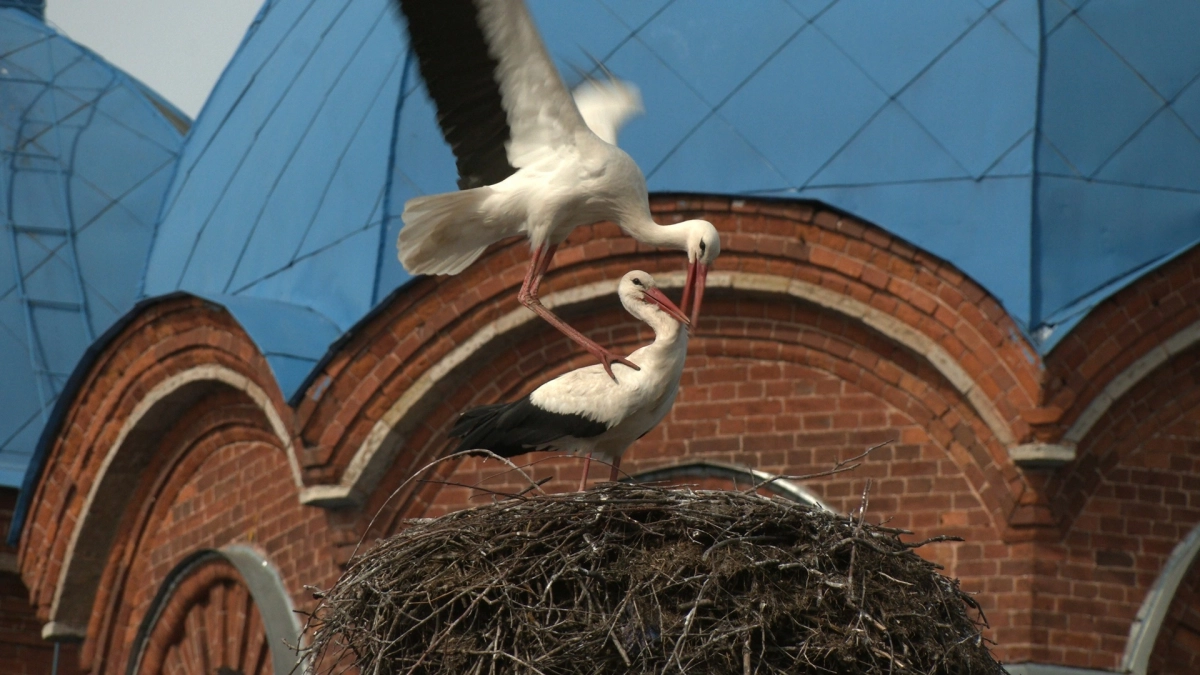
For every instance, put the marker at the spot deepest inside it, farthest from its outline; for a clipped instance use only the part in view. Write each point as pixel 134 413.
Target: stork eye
pixel 638 283
pixel 702 247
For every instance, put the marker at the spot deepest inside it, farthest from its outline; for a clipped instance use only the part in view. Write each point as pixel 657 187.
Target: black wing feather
pixel 460 75
pixel 510 429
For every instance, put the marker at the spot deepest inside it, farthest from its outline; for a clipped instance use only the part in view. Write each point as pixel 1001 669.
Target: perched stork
pixel 584 411
pixel 528 163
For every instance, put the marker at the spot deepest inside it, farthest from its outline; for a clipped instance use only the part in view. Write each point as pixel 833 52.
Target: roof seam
pixel 333 84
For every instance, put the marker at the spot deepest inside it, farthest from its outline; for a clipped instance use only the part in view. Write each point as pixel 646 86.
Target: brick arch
pixel 1118 344
pixel 414 348
pixel 920 483
pixel 149 538
pixel 1176 649
pixel 168 356
pixel 814 338
pixel 1166 399
pixel 205 591
pixel 1124 506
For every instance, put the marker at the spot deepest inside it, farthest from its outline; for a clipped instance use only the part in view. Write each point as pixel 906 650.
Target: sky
pixel 176 47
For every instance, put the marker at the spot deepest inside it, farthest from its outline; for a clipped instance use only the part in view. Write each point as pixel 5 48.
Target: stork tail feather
pixel 445 233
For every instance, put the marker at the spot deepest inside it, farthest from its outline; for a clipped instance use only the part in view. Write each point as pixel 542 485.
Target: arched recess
pixel 121 469
pixel 958 454
pixel 408 351
pixel 225 608
pixel 1128 378
pixel 1118 344
pixel 390 431
pixel 1144 631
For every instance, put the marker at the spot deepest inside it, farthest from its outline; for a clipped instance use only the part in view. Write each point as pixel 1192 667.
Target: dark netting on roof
pixel 86 154
pixel 627 578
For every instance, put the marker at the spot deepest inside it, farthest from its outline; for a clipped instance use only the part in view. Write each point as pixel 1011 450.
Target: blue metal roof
pixel 1048 149
pixel 35 8
pixel 276 211
pixel 85 155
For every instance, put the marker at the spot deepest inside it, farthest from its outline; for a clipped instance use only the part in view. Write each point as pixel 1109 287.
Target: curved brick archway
pixel 1118 344
pixel 822 335
pixel 1176 651
pixel 215 482
pixel 820 389
pixel 408 355
pixel 169 357
pixel 204 621
pixel 1125 504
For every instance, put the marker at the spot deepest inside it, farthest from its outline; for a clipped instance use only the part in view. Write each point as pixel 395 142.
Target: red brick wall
pixel 1177 649
pixel 1060 560
pixel 1132 496
pixel 22 650
pixel 220 478
pixel 797 408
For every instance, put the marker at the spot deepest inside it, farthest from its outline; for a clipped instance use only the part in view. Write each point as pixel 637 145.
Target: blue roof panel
pixel 716 158
pixel 1016 161
pixel 919 116
pixel 777 112
pixel 574 51
pixel 953 99
pixel 673 108
pixel 882 150
pixel 1139 224
pixel 634 13
pixel 80 146
pixel 882 37
pixel 981 225
pixel 1084 74
pixel 277 194
pixel 1158 39
pixel 716 57
pixel 1142 162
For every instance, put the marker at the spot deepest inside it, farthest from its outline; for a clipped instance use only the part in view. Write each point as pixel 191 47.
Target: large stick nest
pixel 631 578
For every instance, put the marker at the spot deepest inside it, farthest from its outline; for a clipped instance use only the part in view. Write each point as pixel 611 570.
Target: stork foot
pixel 608 358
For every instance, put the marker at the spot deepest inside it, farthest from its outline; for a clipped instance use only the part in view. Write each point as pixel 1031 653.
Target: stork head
pixel 642 298
pixel 703 247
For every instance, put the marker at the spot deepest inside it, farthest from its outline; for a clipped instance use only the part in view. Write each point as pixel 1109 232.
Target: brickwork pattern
pixel 208 625
pixel 22 650
pixel 773 382
pixel 1118 332
pixel 1133 495
pixel 1177 649
pixel 798 411
pixel 220 479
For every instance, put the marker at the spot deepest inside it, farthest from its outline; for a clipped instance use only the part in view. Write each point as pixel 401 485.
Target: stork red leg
pixel 529 297
pixel 587 464
pixel 616 467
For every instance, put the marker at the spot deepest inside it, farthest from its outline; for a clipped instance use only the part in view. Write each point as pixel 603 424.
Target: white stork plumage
pixel 528 163
pixel 584 411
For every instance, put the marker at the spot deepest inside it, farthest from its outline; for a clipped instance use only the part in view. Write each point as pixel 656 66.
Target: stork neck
pixel 643 228
pixel 666 329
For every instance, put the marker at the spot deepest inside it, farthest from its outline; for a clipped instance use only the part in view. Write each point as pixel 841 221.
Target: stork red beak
pixel 694 285
pixel 659 298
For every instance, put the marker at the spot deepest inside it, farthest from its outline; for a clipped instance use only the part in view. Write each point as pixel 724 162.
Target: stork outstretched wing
pixel 606 105
pixel 501 102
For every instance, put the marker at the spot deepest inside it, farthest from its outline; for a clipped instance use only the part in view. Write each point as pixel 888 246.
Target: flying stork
pixel 584 411
pixel 528 163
